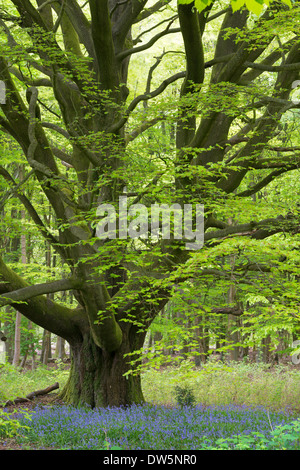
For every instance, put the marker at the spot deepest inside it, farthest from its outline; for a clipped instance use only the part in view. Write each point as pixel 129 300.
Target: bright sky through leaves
pixel 254 6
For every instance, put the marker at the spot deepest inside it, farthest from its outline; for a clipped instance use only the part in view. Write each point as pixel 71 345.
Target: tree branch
pixel 62 321
pixel 273 68
pixel 82 27
pixel 144 97
pixel 103 43
pixel 265 181
pixel 257 230
pixel 142 128
pixel 137 39
pixel 33 213
pixel 153 9
pixel 27 293
pixel 195 68
pixel 148 96
pixel 264 131
pixel 56 128
pixel 122 55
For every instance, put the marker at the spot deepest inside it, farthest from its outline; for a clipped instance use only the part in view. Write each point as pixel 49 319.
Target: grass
pixel 242 407
pixel 15 383
pixel 239 384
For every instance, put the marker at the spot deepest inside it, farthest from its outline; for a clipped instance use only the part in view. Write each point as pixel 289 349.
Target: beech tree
pixel 71 106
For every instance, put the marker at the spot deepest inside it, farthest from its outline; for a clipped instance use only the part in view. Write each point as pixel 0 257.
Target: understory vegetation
pixel 150 224
pixel 240 406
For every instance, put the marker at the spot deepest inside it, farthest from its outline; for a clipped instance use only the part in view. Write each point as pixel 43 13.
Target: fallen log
pixel 32 395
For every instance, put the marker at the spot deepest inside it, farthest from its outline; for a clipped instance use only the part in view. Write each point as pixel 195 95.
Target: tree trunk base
pixel 97 378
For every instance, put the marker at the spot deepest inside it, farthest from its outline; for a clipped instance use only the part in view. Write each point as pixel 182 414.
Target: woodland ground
pixel 274 387
pixel 46 400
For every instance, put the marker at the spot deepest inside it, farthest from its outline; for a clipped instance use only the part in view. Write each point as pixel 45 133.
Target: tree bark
pixel 97 377
pixel 17 340
pixel 46 347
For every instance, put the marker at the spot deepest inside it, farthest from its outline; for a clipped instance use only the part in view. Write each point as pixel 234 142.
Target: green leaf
pixel 202 4
pixel 254 6
pixel 237 4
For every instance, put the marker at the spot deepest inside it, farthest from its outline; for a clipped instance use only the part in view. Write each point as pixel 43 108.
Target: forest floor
pixel 43 400
pixel 51 399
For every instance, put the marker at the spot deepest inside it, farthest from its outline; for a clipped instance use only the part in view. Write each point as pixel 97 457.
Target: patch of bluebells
pixel 147 427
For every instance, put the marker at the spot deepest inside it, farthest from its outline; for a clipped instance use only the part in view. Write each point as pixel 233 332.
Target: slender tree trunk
pixel 9 347
pixel 233 336
pixel 46 347
pixel 232 321
pixel 266 349
pixel 60 352
pixel 46 344
pixel 17 340
pixel 17 349
pixel 203 340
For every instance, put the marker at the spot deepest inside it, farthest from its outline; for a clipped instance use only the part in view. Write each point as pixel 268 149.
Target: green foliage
pixel 254 6
pixel 184 395
pixel 221 384
pixel 16 383
pixel 160 427
pixel 283 437
pixel 135 278
pixel 11 426
pixel 249 385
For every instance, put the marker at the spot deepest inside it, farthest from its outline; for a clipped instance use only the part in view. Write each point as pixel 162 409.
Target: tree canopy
pixel 143 104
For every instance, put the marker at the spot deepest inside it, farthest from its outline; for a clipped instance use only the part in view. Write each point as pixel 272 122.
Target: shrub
pixel 184 396
pixel 283 437
pixel 11 425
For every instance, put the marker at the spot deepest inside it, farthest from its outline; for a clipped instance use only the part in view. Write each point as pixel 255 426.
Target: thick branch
pixel 257 230
pixel 62 321
pixel 56 128
pixel 273 68
pixel 236 310
pixel 32 212
pixel 192 38
pixel 266 126
pixel 27 293
pixel 103 41
pixel 81 25
pixel 265 181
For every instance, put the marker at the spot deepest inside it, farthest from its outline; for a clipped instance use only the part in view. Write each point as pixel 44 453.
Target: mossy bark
pixel 97 377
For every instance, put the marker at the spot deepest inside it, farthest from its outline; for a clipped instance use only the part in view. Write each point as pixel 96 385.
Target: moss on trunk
pixel 97 377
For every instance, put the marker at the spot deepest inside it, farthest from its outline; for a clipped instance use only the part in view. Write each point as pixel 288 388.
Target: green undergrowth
pixel 19 383
pixel 150 427
pixel 222 392
pixel 275 387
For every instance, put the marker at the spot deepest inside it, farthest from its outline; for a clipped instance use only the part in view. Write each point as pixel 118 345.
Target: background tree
pixel 73 110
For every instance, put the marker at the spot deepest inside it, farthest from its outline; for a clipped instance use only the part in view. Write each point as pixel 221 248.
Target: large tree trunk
pixel 97 377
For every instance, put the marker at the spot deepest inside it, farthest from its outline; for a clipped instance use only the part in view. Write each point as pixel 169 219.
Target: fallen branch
pixel 32 395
